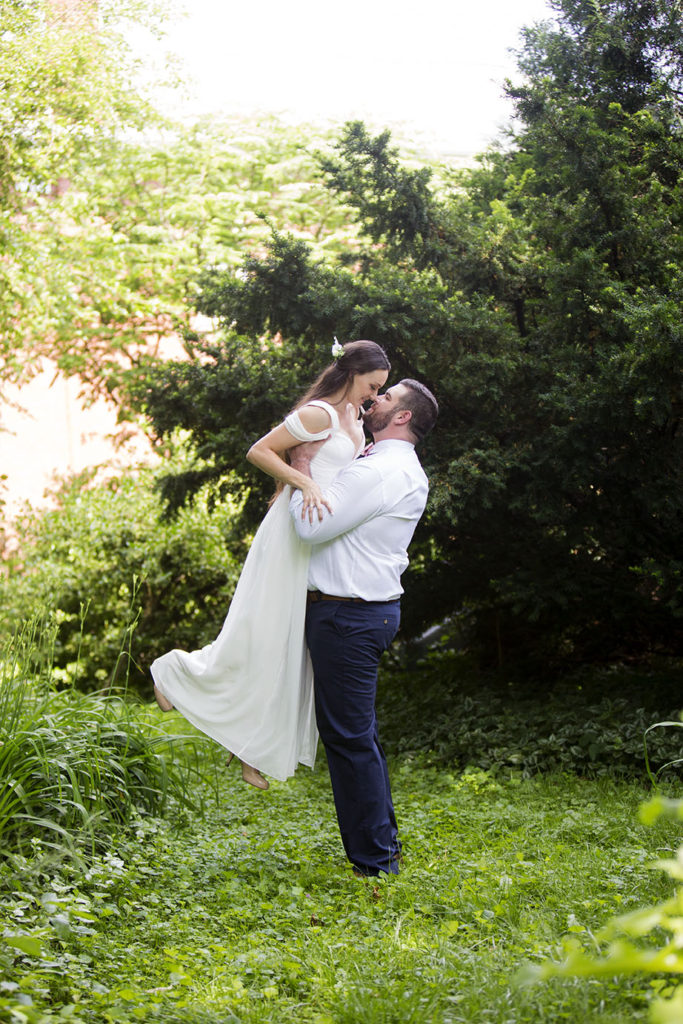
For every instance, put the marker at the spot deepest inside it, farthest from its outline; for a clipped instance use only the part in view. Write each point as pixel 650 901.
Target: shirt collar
pixel 392 442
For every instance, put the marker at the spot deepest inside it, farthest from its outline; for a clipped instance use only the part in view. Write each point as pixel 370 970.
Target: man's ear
pixel 403 417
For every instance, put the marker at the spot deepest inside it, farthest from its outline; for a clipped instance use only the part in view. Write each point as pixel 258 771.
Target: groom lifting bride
pixel 358 551
pixel 252 690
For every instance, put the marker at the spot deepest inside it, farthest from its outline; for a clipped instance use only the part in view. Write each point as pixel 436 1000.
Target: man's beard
pixel 377 419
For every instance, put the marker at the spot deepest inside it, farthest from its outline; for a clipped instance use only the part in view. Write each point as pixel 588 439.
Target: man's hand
pixel 300 458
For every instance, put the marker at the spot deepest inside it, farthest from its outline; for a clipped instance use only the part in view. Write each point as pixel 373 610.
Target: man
pixel 359 552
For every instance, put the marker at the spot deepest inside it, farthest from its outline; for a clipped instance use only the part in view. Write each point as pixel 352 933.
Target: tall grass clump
pixel 76 767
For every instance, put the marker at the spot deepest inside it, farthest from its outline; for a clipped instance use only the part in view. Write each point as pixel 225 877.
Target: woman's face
pixel 364 386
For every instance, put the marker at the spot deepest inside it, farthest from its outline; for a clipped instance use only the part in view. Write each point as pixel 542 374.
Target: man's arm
pixel 356 495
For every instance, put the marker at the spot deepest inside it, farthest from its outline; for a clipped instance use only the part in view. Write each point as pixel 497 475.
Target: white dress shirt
pixel 362 548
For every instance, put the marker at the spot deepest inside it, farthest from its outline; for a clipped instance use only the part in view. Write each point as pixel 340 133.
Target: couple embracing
pixel 318 599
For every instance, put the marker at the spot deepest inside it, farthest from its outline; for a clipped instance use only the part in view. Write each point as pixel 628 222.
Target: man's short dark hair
pixel 422 405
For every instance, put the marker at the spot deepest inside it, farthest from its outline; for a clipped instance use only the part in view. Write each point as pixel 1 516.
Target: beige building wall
pixel 46 432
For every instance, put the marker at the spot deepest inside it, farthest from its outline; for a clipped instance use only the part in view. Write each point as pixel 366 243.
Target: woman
pixel 252 688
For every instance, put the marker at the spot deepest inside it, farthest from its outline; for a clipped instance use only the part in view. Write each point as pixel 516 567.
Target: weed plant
pixel 620 944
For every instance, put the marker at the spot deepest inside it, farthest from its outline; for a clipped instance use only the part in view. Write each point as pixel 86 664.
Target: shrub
pixel 103 560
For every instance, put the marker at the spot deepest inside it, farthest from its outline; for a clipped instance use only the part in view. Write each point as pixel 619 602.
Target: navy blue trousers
pixel 346 640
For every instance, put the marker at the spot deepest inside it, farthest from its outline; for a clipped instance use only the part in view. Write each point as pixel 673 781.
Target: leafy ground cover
pixel 247 912
pixel 589 723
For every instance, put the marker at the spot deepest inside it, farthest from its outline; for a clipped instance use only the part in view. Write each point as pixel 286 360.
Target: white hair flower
pixel 337 349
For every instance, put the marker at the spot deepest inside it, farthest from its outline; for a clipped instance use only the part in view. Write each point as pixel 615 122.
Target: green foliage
pixel 121 585
pixel 67 94
pixel 107 209
pixel 536 295
pixel 62 73
pixel 148 213
pixel 74 769
pixel 394 204
pixel 249 913
pixel 592 723
pixel 633 941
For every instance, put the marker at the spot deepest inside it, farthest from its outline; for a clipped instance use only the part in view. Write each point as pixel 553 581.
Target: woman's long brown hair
pixel 359 357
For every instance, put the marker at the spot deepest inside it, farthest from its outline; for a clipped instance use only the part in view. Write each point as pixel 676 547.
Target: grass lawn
pixel 248 912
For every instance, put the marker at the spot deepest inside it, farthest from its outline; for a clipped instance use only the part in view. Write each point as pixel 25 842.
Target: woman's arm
pixel 268 454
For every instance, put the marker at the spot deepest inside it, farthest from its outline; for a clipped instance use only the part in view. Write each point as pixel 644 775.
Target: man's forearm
pixel 355 496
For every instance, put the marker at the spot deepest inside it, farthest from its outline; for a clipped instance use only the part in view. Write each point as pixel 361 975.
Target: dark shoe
pixel 395 862
pixel 365 874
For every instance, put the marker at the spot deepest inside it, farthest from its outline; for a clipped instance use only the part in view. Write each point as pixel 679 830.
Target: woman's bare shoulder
pixel 314 418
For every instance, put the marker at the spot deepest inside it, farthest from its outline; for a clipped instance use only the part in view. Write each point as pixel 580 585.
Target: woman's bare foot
pixel 251 775
pixel 162 701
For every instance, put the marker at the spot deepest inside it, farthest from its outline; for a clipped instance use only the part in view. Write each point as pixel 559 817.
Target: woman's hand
pixel 313 501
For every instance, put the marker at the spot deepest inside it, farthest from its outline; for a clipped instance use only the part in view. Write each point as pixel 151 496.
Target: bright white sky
pixel 435 68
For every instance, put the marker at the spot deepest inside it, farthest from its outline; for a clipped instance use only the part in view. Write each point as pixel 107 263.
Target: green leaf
pixel 28 944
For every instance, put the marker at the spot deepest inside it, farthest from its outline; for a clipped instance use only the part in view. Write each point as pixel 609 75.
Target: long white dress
pixel 251 690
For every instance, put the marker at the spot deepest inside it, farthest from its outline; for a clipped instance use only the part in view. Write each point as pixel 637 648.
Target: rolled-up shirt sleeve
pixel 356 495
